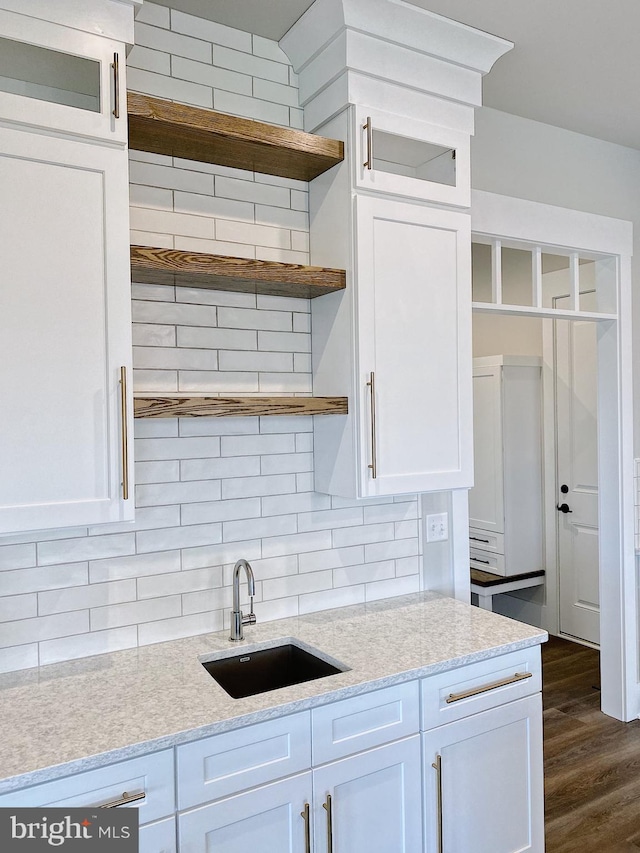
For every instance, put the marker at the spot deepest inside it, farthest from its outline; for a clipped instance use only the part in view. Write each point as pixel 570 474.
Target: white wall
pixel 210 490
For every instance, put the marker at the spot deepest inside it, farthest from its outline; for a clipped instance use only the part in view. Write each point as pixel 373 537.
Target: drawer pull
pixel 475 691
pixel 478 560
pixel 124 800
pixel 368 126
pixel 478 539
pixel 327 807
pixel 115 65
pixel 437 766
pixel 307 828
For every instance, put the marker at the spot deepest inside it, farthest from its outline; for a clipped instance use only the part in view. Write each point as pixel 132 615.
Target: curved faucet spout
pixel 237 618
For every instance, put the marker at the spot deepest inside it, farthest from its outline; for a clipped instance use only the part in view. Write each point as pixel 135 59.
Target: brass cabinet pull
pixel 437 766
pixel 307 828
pixel 519 676
pixel 124 800
pixel 116 85
pixel 327 807
pixel 368 126
pixel 374 463
pixel 124 446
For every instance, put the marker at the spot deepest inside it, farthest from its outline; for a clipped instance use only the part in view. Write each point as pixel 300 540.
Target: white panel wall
pixel 209 490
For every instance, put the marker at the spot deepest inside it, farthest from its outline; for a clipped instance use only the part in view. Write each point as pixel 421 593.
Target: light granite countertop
pixel 76 716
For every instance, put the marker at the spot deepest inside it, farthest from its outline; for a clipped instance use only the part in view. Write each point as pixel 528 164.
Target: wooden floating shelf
pixel 185 406
pixel 218 272
pixel 193 133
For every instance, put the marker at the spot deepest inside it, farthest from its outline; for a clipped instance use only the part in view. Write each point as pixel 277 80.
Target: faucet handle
pixel 250 619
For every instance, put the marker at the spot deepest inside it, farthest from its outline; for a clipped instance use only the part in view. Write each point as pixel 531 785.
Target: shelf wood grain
pixel 217 272
pixel 185 406
pixel 193 133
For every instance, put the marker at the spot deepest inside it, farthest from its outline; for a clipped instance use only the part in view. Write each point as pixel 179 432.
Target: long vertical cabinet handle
pixel 124 438
pixel 115 65
pixel 437 766
pixel 368 126
pixel 371 384
pixel 307 828
pixel 327 807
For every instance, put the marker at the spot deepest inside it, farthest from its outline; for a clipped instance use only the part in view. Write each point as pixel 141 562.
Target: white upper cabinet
pixel 64 333
pixel 59 78
pixel 406 157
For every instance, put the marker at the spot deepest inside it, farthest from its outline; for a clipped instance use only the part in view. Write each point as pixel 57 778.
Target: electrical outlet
pixel 438 527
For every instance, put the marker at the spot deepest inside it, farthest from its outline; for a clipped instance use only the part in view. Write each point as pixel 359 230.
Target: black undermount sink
pixel 268 669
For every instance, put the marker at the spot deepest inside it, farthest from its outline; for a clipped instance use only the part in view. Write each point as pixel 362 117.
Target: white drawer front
pixel 483 682
pixel 152 774
pixel 484 540
pixel 159 837
pixel 231 762
pixel 487 561
pixel 372 719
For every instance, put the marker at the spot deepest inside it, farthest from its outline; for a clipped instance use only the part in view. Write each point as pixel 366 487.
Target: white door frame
pixel 509 218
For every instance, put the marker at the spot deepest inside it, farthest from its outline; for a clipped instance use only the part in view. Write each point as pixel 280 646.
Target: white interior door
pixel 577 476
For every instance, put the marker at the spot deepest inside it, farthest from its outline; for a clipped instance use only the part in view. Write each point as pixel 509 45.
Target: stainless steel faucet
pixel 237 619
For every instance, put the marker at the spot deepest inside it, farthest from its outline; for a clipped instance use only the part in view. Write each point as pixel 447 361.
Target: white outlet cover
pixel 438 527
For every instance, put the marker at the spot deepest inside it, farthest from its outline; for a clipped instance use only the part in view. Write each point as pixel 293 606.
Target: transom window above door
pixel 526 279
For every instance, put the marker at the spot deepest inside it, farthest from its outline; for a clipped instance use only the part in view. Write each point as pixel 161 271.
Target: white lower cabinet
pixel 448 764
pixel 370 803
pixel 483 782
pixel 268 818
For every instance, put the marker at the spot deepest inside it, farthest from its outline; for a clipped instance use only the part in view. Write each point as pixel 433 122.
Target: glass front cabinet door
pixel 409 157
pixel 57 78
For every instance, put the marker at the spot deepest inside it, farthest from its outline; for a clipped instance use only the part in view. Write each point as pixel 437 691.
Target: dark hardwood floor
pixel 591 761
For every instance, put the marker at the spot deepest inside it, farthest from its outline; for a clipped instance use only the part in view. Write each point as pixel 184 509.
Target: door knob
pixel 563 508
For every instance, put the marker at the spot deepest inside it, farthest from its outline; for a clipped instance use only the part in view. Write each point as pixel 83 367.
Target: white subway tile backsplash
pixel 86 596
pixel 247 487
pixel 223 468
pixel 219 510
pixel 279 93
pixel 183 626
pixel 251 318
pixel 18 657
pixel 135 566
pixel 178 537
pixel 178 583
pixel 17 556
pixel 157 472
pixel 269 49
pixel 209 75
pixel 87 548
pixel 178 448
pixel 256 66
pixel 209 490
pixel 152 13
pixel 325 600
pixel 159 494
pixel 149 60
pixel 23 631
pixel 173 42
pixel 389 588
pixel 18 607
pixel 162 86
pixel 210 31
pixel 95 643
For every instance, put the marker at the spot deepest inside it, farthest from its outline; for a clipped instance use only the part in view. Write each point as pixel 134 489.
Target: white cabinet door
pixel 370 803
pixel 486 499
pixel 268 818
pixel 411 158
pixel 60 78
pixel 414 336
pixel 64 332
pixel 489 781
